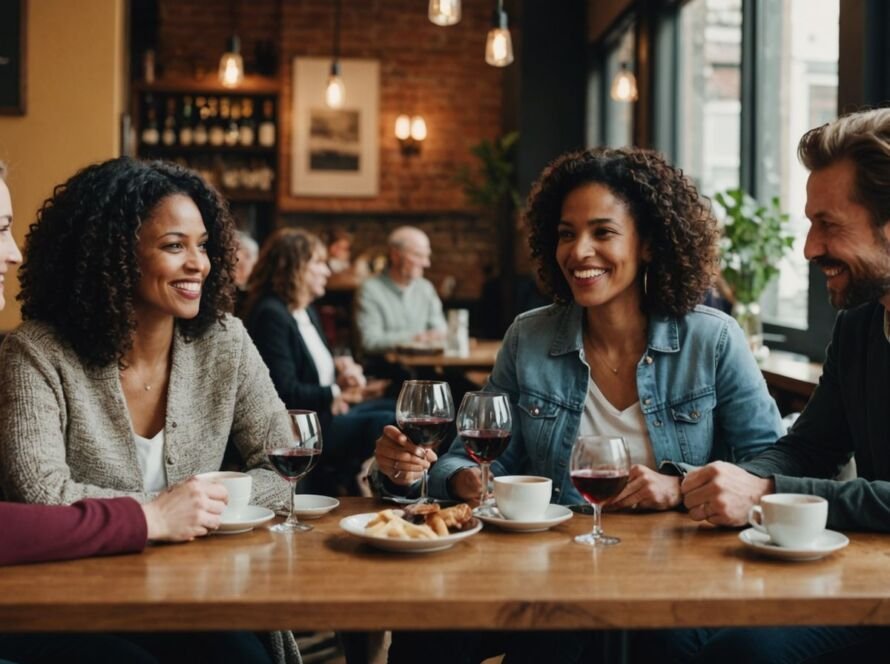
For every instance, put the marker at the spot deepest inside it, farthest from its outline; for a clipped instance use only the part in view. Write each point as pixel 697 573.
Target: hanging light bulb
pixel 444 12
pixel 231 64
pixel 624 85
pixel 335 92
pixel 499 45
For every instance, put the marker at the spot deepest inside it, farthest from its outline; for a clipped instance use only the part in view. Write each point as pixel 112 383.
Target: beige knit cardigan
pixel 66 434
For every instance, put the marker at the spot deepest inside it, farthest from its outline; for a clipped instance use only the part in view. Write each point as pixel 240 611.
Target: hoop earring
pixel 646 281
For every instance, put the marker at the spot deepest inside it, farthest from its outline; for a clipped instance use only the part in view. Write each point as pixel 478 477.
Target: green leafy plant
pixel 494 178
pixel 754 240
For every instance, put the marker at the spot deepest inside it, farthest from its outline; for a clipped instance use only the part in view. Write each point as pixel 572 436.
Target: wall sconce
pixel 231 64
pixel 411 132
pixel 624 85
pixel 444 12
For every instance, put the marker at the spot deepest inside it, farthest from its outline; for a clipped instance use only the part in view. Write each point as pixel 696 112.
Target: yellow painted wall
pixel 75 98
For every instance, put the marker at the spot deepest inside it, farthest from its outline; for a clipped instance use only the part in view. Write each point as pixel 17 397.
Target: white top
pixel 150 452
pixel 601 418
pixel 324 361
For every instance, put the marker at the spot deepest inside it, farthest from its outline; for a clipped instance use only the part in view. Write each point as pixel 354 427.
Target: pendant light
pixel 231 64
pixel 444 12
pixel 624 85
pixel 335 92
pixel 498 45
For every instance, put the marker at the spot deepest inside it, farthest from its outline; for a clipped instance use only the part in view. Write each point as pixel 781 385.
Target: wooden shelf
pixel 252 85
pixel 177 150
pixel 248 196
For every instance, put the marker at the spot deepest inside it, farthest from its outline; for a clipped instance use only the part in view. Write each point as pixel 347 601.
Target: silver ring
pixel 634 506
pixel 397 473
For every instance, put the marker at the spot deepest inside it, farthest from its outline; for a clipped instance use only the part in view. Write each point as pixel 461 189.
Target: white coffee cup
pixel 522 497
pixel 792 520
pixel 239 487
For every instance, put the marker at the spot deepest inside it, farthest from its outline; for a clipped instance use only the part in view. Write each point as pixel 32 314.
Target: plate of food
pixel 417 529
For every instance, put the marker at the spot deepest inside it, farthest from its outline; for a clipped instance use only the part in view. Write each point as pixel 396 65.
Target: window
pixel 619 114
pixel 708 102
pixel 796 89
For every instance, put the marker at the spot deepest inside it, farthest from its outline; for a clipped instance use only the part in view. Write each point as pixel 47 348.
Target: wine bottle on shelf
pixel 232 126
pixel 168 136
pixel 215 133
pixel 186 132
pixel 246 132
pixel 150 134
pixel 266 133
pixel 200 133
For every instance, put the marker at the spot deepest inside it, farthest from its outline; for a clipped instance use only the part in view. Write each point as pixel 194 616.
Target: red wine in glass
pixel 292 464
pixel 424 411
pixel 486 445
pixel 485 424
pixel 597 486
pixel 599 469
pixel 426 431
pixel 293 445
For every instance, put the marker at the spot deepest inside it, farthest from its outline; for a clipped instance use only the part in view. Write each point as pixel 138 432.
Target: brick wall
pixel 437 72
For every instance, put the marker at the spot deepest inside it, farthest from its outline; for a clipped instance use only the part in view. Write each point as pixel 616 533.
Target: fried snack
pixel 387 524
pixel 456 517
pixel 421 509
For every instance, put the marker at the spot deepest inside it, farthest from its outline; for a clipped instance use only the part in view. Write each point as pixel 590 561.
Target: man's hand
pixel 722 493
pixel 399 459
pixel 186 511
pixel 647 489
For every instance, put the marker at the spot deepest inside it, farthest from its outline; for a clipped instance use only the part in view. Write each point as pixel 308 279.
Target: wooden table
pixel 667 572
pixel 791 379
pixel 481 357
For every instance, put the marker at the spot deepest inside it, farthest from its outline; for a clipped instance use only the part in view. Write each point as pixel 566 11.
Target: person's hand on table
pixel 466 484
pixel 399 459
pixel 722 493
pixel 185 511
pixel 647 489
pixel 340 406
pixel 349 372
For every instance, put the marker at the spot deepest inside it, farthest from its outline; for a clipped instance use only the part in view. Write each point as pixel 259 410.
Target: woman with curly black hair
pixel 128 376
pixel 626 248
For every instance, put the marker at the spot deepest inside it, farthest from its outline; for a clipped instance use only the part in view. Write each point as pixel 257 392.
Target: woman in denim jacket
pixel 627 248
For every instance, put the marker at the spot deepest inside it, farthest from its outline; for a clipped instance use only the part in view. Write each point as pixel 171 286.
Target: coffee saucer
pixel 310 506
pixel 554 515
pixel 251 517
pixel 828 542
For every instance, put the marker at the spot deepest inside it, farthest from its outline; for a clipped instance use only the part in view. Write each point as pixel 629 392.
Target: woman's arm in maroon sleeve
pixel 35 533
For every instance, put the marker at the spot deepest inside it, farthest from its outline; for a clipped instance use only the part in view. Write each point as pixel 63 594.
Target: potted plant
pixel 754 239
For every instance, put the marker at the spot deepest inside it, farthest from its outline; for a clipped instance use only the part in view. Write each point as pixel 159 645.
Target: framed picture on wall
pixel 12 56
pixel 335 151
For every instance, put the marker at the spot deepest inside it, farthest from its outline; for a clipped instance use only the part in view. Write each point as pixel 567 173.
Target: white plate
pixel 355 525
pixel 310 506
pixel 828 542
pixel 250 518
pixel 554 515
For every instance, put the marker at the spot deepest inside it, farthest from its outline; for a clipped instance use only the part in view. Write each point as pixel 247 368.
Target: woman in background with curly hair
pixel 627 249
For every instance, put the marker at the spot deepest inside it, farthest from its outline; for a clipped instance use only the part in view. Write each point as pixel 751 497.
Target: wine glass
pixel 485 424
pixel 599 470
pixel 424 411
pixel 293 448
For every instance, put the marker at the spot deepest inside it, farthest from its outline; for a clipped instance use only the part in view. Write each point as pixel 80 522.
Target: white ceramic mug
pixel 522 497
pixel 792 520
pixel 239 487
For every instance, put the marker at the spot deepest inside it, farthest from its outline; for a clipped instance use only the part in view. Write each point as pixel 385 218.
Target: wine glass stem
pixel 597 530
pixel 424 489
pixel 292 516
pixel 486 472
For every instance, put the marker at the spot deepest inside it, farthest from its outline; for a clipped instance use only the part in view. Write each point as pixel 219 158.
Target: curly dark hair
pixel 80 271
pixel 282 260
pixel 670 216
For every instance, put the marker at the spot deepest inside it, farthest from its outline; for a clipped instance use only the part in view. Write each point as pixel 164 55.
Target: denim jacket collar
pixel 664 332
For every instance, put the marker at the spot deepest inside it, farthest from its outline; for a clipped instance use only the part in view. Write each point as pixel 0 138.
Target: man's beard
pixel 869 280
